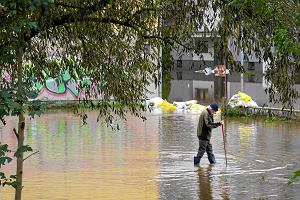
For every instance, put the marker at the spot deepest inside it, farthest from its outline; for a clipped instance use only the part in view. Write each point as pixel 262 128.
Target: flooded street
pixel 154 159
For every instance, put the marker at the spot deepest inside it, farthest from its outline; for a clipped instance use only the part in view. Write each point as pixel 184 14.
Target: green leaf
pixel 14 184
pixel 294 177
pixel 32 7
pixel 33 25
pixel 4 148
pixel 13 176
pixel 32 94
pixel 13 12
pixel 2 175
pixel 4 160
pixel 22 150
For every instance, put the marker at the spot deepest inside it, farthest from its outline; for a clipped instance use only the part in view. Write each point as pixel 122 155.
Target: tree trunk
pixel 21 128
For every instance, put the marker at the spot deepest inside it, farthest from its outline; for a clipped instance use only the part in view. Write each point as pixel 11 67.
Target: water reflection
pixel 205 188
pixel 154 159
pixel 87 162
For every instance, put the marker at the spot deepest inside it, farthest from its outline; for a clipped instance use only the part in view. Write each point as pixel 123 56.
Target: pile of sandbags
pixel 154 102
pixel 197 108
pixel 180 105
pixel 165 106
pixel 242 100
pixel 238 100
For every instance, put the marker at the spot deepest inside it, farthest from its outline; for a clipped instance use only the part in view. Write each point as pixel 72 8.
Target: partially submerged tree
pixel 107 40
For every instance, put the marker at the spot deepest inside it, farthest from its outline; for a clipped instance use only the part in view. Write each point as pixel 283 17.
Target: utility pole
pixel 242 75
pixel 159 85
pixel 160 72
pixel 242 62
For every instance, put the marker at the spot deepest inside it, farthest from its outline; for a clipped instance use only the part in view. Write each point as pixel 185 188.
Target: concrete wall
pixel 209 85
pixel 184 90
pixel 181 90
pixel 254 90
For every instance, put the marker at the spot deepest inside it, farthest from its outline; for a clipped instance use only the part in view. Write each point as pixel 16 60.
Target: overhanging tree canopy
pixel 108 38
pixel 270 30
pixel 106 41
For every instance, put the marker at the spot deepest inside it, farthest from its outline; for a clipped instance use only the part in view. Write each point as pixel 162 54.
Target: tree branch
pixel 16 134
pixel 66 5
pixel 30 155
pixel 70 18
pixel 3 121
pixel 134 15
pixel 108 20
pixel 81 13
pixel 168 40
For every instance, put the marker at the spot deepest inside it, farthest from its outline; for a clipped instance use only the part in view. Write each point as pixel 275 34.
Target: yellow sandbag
pixel 244 97
pixel 166 106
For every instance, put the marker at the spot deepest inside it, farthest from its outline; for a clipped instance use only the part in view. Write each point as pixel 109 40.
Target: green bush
pixel 237 112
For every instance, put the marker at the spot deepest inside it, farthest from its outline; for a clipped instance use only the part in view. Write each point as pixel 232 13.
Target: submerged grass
pixel 246 113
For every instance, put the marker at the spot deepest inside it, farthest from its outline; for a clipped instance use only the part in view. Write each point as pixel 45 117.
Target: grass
pixel 236 112
pixel 245 113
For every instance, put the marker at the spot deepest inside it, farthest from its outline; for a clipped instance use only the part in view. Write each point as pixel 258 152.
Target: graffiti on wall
pixel 62 87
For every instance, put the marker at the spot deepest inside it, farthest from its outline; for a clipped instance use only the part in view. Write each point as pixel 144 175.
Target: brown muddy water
pixel 154 159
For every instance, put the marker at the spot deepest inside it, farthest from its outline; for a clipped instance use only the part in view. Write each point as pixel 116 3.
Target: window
pixel 179 63
pixel 201 94
pixel 179 75
pixel 251 66
pixel 251 78
pixel 192 66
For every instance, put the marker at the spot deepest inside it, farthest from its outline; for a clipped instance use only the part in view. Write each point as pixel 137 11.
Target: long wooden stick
pixel 223 133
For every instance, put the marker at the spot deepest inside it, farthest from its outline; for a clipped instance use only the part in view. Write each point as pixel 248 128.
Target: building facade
pixel 187 83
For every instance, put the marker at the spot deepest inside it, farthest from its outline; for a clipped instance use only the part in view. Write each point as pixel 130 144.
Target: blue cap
pixel 214 106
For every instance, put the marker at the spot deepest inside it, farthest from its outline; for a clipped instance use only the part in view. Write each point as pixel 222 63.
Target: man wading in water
pixel 206 123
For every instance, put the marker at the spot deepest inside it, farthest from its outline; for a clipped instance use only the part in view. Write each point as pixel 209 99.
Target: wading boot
pixel 196 160
pixel 212 159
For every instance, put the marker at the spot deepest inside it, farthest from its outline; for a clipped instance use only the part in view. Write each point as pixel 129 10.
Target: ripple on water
pixel 154 160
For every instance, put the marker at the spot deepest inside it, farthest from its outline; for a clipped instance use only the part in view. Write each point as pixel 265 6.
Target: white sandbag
pixel 179 105
pixel 154 102
pixel 190 102
pixel 198 107
pixel 251 104
pixel 237 101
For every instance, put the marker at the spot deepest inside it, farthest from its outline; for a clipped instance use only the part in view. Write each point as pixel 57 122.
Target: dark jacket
pixel 206 123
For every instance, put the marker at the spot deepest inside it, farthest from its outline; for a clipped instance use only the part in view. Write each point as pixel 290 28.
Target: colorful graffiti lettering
pixel 62 87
